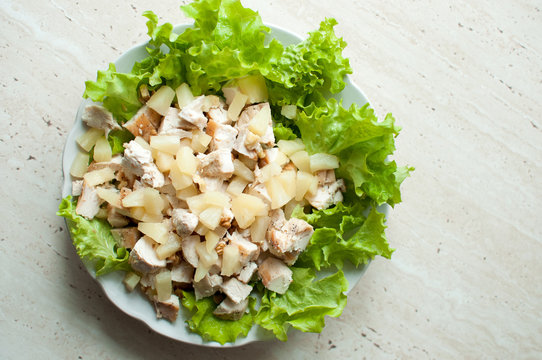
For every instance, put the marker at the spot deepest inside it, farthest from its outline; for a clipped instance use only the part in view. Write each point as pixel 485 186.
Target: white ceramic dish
pixel 135 304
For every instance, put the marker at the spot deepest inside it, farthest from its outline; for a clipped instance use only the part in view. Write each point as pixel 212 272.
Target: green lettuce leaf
pixel 117 138
pixel 93 240
pixel 343 233
pixel 315 64
pixel 211 328
pixel 304 305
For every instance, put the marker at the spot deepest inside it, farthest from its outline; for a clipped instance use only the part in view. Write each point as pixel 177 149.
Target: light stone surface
pixel 463 78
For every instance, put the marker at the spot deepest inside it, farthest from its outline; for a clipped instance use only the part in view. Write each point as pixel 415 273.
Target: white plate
pixel 137 305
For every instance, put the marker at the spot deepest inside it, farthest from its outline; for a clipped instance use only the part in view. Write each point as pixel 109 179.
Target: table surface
pixel 464 81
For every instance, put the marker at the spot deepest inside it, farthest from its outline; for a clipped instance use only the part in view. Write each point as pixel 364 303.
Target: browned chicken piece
pixel 168 309
pixel 143 258
pixel 193 113
pixel 235 290
pixel 172 124
pixel 217 164
pixel 89 202
pixel 138 161
pixel 182 274
pixel 126 237
pixel 144 123
pixel 184 221
pixel 223 136
pixel 228 310
pixel 276 276
pixel 290 240
pixel 97 116
pixel 207 286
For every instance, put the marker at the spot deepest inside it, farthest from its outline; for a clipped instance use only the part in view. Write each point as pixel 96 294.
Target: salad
pixel 221 176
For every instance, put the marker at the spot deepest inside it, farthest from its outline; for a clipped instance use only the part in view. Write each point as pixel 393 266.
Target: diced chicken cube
pixel 138 161
pixel 144 123
pixel 242 127
pixel 77 187
pixel 277 220
pixel 97 116
pixel 126 237
pixel 327 194
pixel 260 191
pixel 184 221
pixel 228 310
pixel 292 236
pixel 117 217
pixel 246 273
pixel 168 309
pixel 207 286
pixel 276 276
pixel 248 250
pixel 172 124
pixel 223 136
pixel 236 290
pixel 218 164
pixel 207 184
pixel 189 244
pixel 89 202
pixel 182 273
pixel 143 257
pixel 325 176
pixel 219 115
pixel 193 113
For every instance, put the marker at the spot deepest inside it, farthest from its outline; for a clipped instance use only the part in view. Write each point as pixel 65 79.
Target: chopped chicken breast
pixel 116 217
pixel 172 124
pixel 217 163
pixel 207 286
pixel 182 273
pixel 248 251
pixel 138 161
pixel 228 310
pixel 276 276
pixel 236 290
pixel 219 115
pixel 184 221
pixel 223 136
pixel 89 202
pixel 246 273
pixel 143 257
pixel 126 237
pixel 193 113
pixel 144 123
pixel 189 249
pixel 168 309
pixel 327 194
pixel 97 116
pixel 77 187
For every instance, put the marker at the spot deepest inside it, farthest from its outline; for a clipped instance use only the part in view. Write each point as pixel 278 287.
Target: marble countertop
pixel 464 81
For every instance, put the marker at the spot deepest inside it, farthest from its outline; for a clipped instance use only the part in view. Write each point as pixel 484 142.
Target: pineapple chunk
pixel 187 192
pixel 260 122
pixel 162 284
pixel 301 161
pixel 203 201
pixel 269 170
pixel 156 231
pixel 102 150
pixel 200 141
pixel 137 212
pixel 322 161
pixel 200 273
pixel 303 183
pixel 112 196
pixel 211 239
pixel 289 111
pixel 242 170
pixel 161 100
pixel 170 247
pixel 210 217
pixel 168 144
pixel 89 138
pixel 98 177
pixel 184 95
pixel 290 147
pixel 237 106
pixel 186 161
pixel 288 181
pixel 279 196
pixel 205 257
pixel 134 199
pixel 201 229
pixel 79 165
pixel 131 279
pixel 179 180
pixel 254 86
pixel 152 201
pixel 259 229
pixel 164 161
pixel 246 207
pixel 237 186
pixel 151 218
pixel 231 260
pixel 144 144
pixel 229 92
